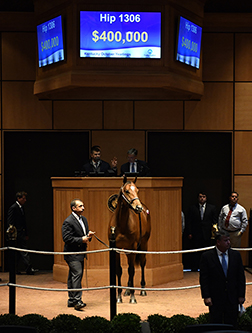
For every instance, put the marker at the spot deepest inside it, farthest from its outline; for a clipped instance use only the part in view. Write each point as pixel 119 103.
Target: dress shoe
pixel 70 305
pixel 79 305
pixel 31 271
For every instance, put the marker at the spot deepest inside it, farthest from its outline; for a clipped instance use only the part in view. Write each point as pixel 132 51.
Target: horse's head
pixel 130 195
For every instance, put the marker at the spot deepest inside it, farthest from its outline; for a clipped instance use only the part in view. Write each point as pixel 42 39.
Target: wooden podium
pixel 163 198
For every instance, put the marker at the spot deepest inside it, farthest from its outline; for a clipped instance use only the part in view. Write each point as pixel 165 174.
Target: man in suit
pixel 134 165
pixel 16 217
pixel 233 218
pixel 76 235
pixel 201 217
pixel 96 165
pixel 222 281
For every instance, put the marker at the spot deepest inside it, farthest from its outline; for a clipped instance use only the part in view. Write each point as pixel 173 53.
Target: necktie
pixel 201 212
pixel 133 167
pixel 82 225
pixel 228 217
pixel 224 263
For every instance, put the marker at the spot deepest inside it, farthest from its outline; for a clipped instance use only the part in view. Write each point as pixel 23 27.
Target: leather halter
pixel 129 201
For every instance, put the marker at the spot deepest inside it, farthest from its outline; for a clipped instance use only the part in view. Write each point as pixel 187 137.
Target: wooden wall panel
pixel 22 110
pixel 243 50
pixel 242 184
pixel 117 143
pixel 77 115
pixel 243 153
pixel 243 106
pixel 60 215
pixel 214 111
pixel 18 56
pixel 159 115
pixel 218 57
pixel 118 115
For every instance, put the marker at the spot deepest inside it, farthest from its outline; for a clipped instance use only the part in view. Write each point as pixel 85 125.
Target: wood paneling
pixel 117 143
pixel 217 57
pixel 118 115
pixel 214 111
pixel 243 185
pixel 163 198
pixel 158 115
pixel 77 115
pixel 16 21
pixel 243 106
pixel 243 50
pixel 243 153
pixel 22 110
pixel 19 56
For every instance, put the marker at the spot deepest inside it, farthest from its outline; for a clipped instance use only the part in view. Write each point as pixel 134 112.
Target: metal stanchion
pixel 112 258
pixel 12 237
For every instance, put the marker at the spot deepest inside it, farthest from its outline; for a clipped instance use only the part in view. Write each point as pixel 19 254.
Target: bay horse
pixel 131 220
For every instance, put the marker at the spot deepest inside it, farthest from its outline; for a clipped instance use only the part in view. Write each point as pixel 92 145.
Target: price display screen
pixel 50 42
pixel 120 34
pixel 189 42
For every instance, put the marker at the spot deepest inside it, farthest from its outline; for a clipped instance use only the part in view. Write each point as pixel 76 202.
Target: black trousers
pixel 226 314
pixel 21 243
pixel 74 280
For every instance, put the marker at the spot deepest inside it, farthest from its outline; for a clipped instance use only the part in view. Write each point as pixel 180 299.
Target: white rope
pixel 104 287
pixel 121 250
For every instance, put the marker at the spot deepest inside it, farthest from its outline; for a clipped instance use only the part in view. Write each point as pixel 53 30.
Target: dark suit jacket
pixel 213 282
pixel 72 234
pixel 103 167
pixel 201 230
pixel 142 169
pixel 17 218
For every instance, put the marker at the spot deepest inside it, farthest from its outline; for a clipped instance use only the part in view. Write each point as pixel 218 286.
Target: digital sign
pixel 120 34
pixel 50 42
pixel 189 43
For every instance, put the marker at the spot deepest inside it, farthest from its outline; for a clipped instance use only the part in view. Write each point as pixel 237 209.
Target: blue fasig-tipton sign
pixel 50 42
pixel 189 43
pixel 120 34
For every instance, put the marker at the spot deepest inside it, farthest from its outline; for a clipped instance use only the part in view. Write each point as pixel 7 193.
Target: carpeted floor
pixel 52 303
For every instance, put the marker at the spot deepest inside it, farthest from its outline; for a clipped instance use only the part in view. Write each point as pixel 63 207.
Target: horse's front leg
pixel 142 264
pixel 119 275
pixel 131 272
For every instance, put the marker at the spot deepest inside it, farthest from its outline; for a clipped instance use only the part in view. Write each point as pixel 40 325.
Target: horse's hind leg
pixel 142 264
pixel 131 272
pixel 119 275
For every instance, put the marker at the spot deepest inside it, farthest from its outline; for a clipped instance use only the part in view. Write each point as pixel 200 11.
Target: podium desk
pixel 162 195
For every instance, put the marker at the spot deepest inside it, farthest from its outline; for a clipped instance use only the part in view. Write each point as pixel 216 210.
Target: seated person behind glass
pixel 97 167
pixel 134 165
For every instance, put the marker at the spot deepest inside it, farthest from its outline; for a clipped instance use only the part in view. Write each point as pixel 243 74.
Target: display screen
pixel 189 43
pixel 120 34
pixel 50 42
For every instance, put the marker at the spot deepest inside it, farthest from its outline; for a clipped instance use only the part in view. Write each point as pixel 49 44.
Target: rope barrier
pixel 111 286
pixel 120 250
pixel 104 287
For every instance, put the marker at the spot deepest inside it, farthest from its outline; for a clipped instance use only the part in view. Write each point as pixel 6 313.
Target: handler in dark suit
pixel 135 165
pixel 76 235
pixel 96 165
pixel 201 217
pixel 16 217
pixel 222 281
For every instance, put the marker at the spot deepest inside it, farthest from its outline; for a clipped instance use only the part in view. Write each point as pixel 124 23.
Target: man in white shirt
pixel 233 219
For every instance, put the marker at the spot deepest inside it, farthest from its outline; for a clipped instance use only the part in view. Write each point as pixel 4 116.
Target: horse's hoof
pixel 133 300
pixel 143 293
pixel 127 292
pixel 119 299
